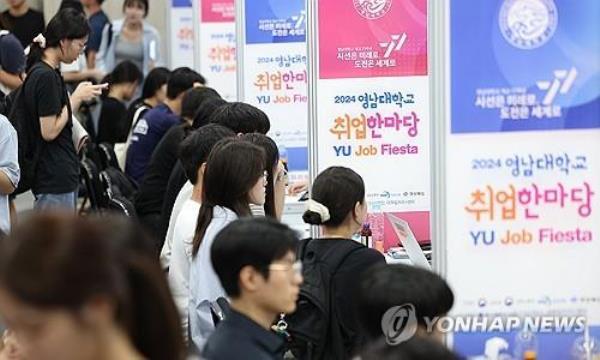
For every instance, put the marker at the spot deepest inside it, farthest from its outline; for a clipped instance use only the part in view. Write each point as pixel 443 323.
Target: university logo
pixel 528 24
pixel 372 9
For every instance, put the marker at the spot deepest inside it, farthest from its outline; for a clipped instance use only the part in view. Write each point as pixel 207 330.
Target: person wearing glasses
pixel 234 177
pixel 256 264
pixel 47 101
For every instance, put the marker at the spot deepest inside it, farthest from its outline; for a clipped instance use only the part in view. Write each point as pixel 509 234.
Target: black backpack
pixel 314 329
pixel 29 135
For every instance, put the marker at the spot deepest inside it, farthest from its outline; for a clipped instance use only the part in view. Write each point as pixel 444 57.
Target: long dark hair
pixel 61 261
pixel 232 169
pixel 271 160
pixel 67 24
pixel 339 189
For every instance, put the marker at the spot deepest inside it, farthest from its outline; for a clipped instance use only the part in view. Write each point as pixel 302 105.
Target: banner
pixel 372 106
pixel 523 178
pixel 274 74
pixel 215 48
pixel 181 27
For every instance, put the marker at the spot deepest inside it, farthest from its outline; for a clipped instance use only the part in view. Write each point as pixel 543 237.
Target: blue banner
pixel 181 3
pixel 275 21
pixel 525 65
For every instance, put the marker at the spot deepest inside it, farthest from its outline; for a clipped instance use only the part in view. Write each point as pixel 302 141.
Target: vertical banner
pixel 273 74
pixel 523 177
pixel 215 45
pixel 370 106
pixel 181 34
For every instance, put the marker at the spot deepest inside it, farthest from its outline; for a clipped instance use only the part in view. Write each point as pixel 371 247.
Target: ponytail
pixel 205 216
pixel 34 55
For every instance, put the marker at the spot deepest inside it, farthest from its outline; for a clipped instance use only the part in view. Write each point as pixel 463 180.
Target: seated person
pixel 112 123
pixel 255 261
pixel 386 286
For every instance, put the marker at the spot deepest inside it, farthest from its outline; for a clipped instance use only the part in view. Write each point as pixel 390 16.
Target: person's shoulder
pixel 364 257
pixel 221 346
pixel 7 131
pixel 36 14
pixel 150 29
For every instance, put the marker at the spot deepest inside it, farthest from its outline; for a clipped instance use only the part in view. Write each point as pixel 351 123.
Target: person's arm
pixel 52 125
pixel 9 165
pixel 11 81
pixel 83 75
pixel 280 180
pixel 91 59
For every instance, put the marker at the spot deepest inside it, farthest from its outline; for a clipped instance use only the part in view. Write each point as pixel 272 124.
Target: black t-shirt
pixel 112 124
pixel 25 27
pixel 149 199
pixel 45 93
pixel 346 287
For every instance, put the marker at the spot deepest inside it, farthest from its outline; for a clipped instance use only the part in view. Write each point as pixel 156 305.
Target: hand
pixel 296 188
pixel 86 91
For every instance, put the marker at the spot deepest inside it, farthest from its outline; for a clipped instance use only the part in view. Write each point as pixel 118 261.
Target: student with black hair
pixel 154 93
pixel 194 152
pixel 339 207
pixel 86 288
pixel 149 130
pixel 47 102
pixel 112 124
pixel 386 286
pixel 130 38
pixel 276 176
pixel 256 264
pixel 416 348
pixel 233 179
pixel 98 20
pixel 242 118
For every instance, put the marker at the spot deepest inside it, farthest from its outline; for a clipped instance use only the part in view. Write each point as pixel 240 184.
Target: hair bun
pixel 312 218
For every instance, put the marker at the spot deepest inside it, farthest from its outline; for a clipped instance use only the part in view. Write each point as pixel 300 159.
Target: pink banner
pixel 217 11
pixel 372 38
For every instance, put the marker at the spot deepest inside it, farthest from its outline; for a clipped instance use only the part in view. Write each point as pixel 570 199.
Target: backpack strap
pixel 334 258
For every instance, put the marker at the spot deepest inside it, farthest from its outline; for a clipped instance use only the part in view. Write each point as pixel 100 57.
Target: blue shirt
pixel 146 135
pixel 97 22
pixel 9 165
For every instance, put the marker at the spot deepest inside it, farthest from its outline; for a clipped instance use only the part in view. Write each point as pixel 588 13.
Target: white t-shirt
pixel 181 258
pixel 184 194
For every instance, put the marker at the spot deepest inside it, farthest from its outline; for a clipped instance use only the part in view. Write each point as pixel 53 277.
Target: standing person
pixel 339 207
pixel 234 178
pixel 22 21
pixel 76 288
pixel 130 38
pixel 194 152
pixel 256 263
pixel 149 130
pixel 12 62
pixel 9 170
pixel 47 101
pixel 112 124
pixel 98 20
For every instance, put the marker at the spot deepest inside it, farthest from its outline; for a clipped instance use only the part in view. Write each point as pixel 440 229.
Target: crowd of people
pixel 200 265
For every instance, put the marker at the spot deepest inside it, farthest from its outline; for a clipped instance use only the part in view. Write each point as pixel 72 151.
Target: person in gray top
pixel 130 38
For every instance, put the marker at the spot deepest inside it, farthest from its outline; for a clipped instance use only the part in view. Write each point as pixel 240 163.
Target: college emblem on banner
pixel 528 24
pixel 372 9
